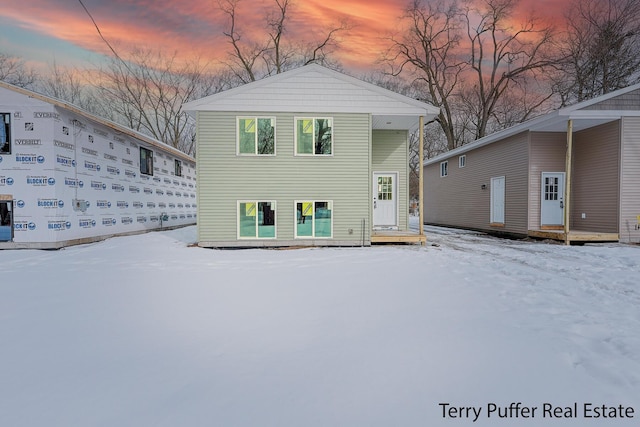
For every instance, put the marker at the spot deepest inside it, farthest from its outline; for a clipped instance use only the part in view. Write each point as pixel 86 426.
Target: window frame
pixel 257 231
pixel 177 167
pixel 444 169
pixel 314 120
pixel 147 166
pixel 7 129
pixel 313 223
pixel 462 161
pixel 257 119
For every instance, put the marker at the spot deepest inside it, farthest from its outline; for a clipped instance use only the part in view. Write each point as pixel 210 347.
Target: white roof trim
pixel 212 102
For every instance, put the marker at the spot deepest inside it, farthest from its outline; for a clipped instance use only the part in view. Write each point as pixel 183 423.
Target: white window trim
pixel 275 220
pixel 313 224
pixel 444 169
pixel 462 161
pixel 256 154
pixel 295 137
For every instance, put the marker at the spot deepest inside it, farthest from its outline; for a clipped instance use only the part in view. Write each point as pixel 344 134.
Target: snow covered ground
pixel 146 331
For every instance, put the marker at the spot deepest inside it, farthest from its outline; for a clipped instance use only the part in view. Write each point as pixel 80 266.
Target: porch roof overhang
pixel 555 121
pixel 583 115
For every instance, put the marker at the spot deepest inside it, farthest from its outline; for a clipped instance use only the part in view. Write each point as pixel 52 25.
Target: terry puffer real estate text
pixel 585 410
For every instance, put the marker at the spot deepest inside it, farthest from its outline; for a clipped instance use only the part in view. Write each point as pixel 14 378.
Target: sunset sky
pixel 44 31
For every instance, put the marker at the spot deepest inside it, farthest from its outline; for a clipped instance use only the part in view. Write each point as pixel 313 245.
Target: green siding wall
pixel 224 178
pixel 391 154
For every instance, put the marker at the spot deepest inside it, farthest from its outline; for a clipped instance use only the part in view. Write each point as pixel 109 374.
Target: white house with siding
pixel 69 177
pixel 303 158
pixel 571 175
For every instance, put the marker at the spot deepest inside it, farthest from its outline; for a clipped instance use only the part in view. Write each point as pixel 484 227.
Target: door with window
pixel 6 220
pixel 552 203
pixel 385 200
pixel 497 200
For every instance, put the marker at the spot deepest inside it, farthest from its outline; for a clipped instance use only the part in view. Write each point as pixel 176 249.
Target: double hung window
pixel 256 219
pixel 257 136
pixel 314 219
pixel 314 136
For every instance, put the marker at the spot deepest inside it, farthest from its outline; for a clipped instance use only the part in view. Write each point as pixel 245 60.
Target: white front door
pixel 552 203
pixel 385 200
pixel 497 200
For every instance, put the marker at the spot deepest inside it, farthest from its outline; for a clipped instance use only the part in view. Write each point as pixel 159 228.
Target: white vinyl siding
pixel 595 179
pixel 629 181
pixel 462 201
pixel 224 178
pixel 390 154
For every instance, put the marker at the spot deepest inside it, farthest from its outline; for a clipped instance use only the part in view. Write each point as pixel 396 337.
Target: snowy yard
pixel 146 331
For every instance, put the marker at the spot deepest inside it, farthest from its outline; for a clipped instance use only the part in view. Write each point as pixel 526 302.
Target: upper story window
pixel 178 167
pixel 314 136
pixel 257 136
pixel 462 161
pixel 146 161
pixel 5 133
pixel 444 168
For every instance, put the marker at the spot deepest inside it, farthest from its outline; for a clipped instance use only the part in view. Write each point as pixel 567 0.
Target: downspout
pixel 567 184
pixel 421 176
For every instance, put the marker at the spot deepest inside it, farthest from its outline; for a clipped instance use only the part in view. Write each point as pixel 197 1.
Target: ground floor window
pixel 256 220
pixel 314 219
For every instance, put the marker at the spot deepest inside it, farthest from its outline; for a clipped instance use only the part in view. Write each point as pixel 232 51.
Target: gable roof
pixel 584 115
pixel 113 125
pixel 317 89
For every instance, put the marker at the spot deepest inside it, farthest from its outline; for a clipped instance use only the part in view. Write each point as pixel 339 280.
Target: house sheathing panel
pixel 60 154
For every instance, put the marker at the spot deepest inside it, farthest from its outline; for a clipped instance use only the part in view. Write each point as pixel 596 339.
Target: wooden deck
pixel 575 236
pixel 395 236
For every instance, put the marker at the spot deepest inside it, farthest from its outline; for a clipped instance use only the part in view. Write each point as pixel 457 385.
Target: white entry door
pixel 552 203
pixel 497 200
pixel 385 200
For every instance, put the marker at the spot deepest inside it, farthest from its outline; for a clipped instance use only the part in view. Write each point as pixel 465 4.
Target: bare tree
pixel 250 60
pixel 502 55
pixel 601 48
pixel 429 53
pixel 147 91
pixel 15 71
pixel 467 58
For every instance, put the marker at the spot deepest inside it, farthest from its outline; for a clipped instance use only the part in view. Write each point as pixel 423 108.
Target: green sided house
pixel 309 157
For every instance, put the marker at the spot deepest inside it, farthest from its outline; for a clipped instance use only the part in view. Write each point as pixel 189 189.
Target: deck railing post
pixel 421 176
pixel 567 184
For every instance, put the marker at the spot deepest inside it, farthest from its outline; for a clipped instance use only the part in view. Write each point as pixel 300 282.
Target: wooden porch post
pixel 421 175
pixel 567 184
